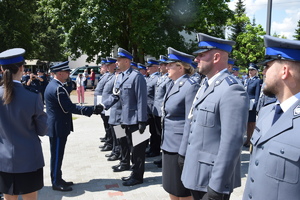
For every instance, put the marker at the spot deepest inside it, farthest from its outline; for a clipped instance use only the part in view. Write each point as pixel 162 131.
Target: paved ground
pixel 87 167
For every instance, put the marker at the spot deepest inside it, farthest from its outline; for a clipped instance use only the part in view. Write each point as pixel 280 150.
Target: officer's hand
pixel 98 109
pixel 181 161
pixel 212 195
pixel 142 127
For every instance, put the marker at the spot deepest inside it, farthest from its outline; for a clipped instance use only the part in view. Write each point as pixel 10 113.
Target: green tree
pixel 251 46
pixel 140 26
pixel 297 31
pixel 240 20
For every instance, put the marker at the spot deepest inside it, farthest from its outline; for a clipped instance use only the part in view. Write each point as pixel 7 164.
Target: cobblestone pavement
pixel 88 168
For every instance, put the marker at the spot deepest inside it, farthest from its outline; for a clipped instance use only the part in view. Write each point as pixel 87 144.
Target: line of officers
pixel 165 95
pixel 198 121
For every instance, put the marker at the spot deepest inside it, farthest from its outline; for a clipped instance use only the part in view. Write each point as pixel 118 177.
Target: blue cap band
pixel 231 62
pixel 153 62
pixel 180 58
pixel 125 55
pixel 13 60
pixel 111 61
pixel 293 54
pixel 134 64
pixel 224 47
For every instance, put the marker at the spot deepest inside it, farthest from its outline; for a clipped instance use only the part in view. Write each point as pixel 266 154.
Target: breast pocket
pixel 206 116
pixel 126 88
pixel 283 162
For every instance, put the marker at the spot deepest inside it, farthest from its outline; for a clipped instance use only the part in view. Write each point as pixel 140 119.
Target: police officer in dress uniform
pixel 107 91
pixel 98 92
pixel 252 86
pixel 213 136
pixel 274 161
pixel 152 70
pixel 22 121
pixel 131 90
pixel 176 106
pixel 134 65
pixel 162 84
pixel 59 109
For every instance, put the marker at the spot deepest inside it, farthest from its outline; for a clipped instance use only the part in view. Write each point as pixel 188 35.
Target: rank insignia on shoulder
pixel 230 80
pixel 192 81
pixel 297 110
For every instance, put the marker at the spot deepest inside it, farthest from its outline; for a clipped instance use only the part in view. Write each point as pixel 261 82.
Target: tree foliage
pixel 297 31
pixel 140 26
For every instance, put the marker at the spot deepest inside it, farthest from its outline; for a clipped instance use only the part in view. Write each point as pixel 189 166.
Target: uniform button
pixel 252 138
pixel 256 162
pixel 250 196
pixel 251 179
pixel 262 147
pixel 282 151
pixel 212 161
pixel 189 143
pixel 194 120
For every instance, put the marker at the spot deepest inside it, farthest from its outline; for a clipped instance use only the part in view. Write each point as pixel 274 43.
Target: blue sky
pixel 285 14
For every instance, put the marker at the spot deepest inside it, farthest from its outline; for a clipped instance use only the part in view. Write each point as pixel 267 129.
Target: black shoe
pixel 69 183
pixel 126 178
pixel 113 158
pixel 107 148
pixel 116 166
pixel 121 168
pixel 152 154
pixel 102 146
pixel 109 155
pixel 62 188
pixel 102 139
pixel 159 165
pixel 132 182
pixel 157 162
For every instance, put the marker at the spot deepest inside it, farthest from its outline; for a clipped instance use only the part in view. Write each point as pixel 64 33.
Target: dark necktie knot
pixel 278 113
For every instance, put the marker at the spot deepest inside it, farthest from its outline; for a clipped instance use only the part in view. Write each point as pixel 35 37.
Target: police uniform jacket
pixel 215 136
pixel 60 108
pixel 252 86
pixel 131 90
pixel 160 90
pixel 151 83
pixel 176 107
pixel 21 122
pixel 274 162
pixel 196 77
pixel 100 86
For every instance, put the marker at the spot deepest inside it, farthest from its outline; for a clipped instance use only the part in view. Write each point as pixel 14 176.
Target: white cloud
pixel 285 14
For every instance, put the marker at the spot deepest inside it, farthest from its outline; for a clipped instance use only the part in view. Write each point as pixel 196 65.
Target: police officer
pixel 213 136
pixel 107 91
pixel 176 106
pixel 134 65
pixel 152 70
pixel 59 111
pixel 162 84
pixel 274 161
pixel 98 92
pixel 22 121
pixel 252 86
pixel 131 90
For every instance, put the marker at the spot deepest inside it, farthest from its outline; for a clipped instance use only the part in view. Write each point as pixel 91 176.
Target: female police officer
pixel 22 120
pixel 176 106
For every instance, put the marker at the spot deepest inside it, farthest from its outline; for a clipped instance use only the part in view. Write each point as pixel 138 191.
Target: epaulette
pixel 230 80
pixel 31 89
pixel 192 81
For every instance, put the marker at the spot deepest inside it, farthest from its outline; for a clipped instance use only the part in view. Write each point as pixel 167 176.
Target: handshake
pixel 98 109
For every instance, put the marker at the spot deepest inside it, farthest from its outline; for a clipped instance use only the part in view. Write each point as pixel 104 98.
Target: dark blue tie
pixel 278 113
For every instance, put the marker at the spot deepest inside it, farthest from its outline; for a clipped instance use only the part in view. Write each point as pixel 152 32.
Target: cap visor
pixel 201 51
pixel 264 62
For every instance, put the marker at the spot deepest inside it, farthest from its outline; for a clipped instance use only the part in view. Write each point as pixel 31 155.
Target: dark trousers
pixel 198 195
pixel 57 150
pixel 116 150
pixel 137 153
pixel 155 138
pixel 108 131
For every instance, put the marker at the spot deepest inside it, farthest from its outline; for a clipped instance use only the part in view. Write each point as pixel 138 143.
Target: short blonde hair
pixel 188 69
